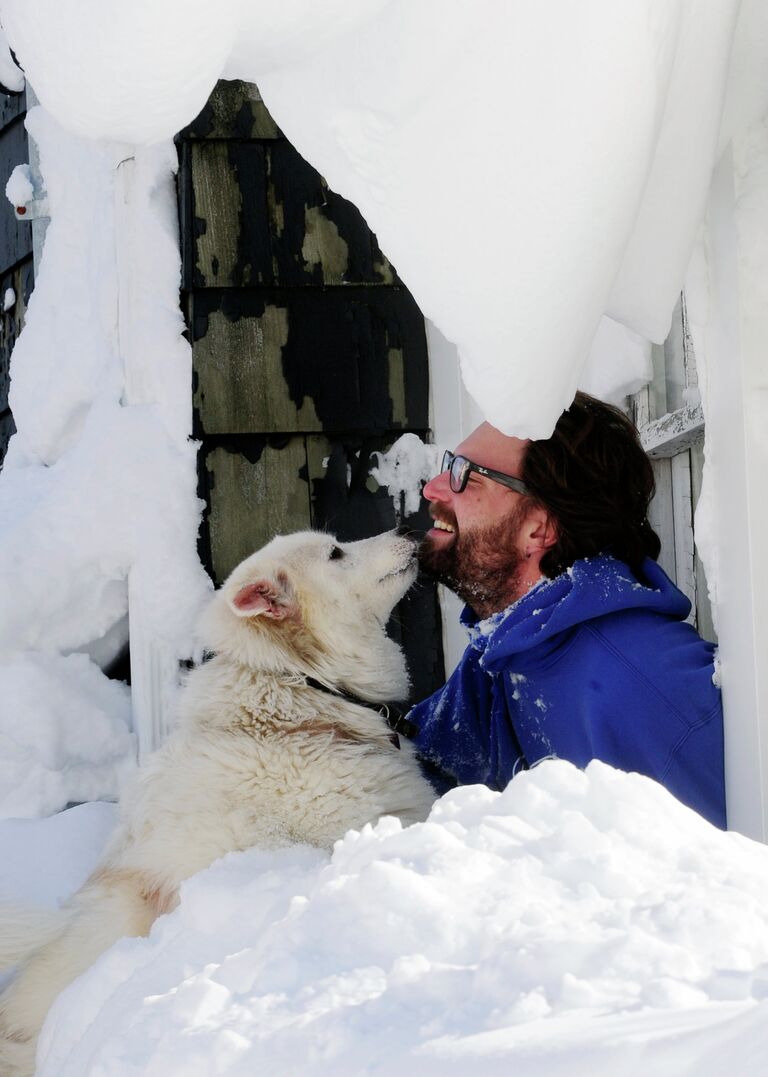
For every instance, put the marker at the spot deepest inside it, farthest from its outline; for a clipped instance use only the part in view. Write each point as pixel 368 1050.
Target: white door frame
pixel 154 666
pixel 736 468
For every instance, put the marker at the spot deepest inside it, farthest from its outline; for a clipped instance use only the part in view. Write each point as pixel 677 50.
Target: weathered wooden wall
pixel 308 351
pixel 15 250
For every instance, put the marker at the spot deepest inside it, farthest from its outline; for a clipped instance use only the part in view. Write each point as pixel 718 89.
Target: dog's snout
pixel 402 531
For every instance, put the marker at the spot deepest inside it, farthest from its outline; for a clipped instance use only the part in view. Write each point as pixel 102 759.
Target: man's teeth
pixel 441 526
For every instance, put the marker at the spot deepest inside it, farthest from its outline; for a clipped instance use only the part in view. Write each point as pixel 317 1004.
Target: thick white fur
pixel 257 756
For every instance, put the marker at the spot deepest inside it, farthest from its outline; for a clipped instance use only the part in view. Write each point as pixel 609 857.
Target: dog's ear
pixel 267 598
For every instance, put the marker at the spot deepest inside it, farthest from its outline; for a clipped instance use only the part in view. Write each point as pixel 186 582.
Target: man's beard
pixel 481 566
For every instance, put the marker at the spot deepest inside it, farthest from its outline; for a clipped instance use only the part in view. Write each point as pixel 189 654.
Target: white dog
pixel 269 749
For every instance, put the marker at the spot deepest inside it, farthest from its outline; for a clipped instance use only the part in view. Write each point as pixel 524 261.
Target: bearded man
pixel 578 644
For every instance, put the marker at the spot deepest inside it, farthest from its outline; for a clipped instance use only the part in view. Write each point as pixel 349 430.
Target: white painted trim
pixel 154 677
pixel 737 462
pixel 154 667
pixel 40 219
pixel 682 516
pixel 673 433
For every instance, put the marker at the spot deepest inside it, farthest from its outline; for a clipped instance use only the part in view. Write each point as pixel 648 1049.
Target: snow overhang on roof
pixel 528 168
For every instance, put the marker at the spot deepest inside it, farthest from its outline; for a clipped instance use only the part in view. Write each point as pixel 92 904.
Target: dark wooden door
pixel 308 352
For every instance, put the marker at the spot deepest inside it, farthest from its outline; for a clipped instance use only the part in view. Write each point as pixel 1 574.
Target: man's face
pixel 476 546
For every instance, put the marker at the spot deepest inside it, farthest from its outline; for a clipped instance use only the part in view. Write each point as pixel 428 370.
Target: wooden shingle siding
pixel 312 236
pixel 308 352
pixel 21 280
pixel 311 359
pixel 16 270
pixel 234 110
pixel 15 236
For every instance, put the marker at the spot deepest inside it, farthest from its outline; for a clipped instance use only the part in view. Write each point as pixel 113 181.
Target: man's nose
pixel 438 488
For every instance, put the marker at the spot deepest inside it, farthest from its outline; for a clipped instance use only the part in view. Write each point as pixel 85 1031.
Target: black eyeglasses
pixel 460 468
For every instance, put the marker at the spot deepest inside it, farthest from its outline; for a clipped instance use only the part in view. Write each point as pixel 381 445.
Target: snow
pixel 580 923
pixel 602 85
pixel 19 189
pixel 9 300
pixel 618 364
pixel 99 485
pixel 73 532
pixel 10 75
pixel 727 304
pixel 45 860
pixel 64 732
pixel 404 468
pixel 580 199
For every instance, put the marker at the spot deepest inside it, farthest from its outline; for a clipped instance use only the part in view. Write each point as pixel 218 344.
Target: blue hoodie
pixel 595 664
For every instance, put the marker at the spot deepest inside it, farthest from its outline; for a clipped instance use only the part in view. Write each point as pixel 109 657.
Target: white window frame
pixel 733 338
pixel 154 665
pixel 674 440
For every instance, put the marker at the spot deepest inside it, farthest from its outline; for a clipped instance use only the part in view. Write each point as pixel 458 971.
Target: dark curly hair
pixel 594 479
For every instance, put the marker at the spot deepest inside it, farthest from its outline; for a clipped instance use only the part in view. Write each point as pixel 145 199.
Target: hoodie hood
pixel 590 588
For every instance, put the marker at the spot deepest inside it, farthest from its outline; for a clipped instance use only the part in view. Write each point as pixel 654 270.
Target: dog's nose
pixel 403 532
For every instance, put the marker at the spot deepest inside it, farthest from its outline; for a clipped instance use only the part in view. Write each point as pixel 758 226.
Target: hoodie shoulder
pixel 591 588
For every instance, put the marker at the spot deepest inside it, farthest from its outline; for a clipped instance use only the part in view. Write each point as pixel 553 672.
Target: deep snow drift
pixel 99 485
pixel 577 923
pixel 64 732
pixel 540 145
pixel 580 923
pixel 545 137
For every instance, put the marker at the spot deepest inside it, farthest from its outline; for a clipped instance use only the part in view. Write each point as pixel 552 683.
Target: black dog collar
pixel 393 714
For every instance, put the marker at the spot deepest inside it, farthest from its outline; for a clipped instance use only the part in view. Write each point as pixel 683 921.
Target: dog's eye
pixel 336 553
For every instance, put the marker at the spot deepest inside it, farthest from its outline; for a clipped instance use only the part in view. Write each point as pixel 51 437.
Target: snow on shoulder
pixel 580 923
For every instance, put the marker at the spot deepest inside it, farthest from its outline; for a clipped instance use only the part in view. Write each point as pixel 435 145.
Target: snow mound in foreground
pixel 579 923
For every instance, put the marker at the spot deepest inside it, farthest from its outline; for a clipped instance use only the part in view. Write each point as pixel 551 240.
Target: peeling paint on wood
pixel 324 247
pixel 382 267
pixel 334 350
pixel 704 620
pixel 674 439
pixel 12 105
pixel 252 502
pixel 673 432
pixel 235 110
pixel 217 208
pixel 240 383
pixel 12 321
pixel 660 515
pixel 308 353
pixel 342 501
pixel 7 430
pixel 15 236
pixel 16 270
pixel 277 220
pixel 682 512
pixel 263 216
pixel 397 386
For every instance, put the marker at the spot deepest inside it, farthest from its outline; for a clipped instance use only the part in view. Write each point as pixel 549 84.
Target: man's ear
pixel 266 598
pixel 541 531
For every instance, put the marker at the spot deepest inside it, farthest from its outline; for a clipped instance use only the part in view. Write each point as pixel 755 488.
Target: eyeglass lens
pixel 459 471
pixel 458 468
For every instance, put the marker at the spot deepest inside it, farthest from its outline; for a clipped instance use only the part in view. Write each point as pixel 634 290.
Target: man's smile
pixel 441 528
